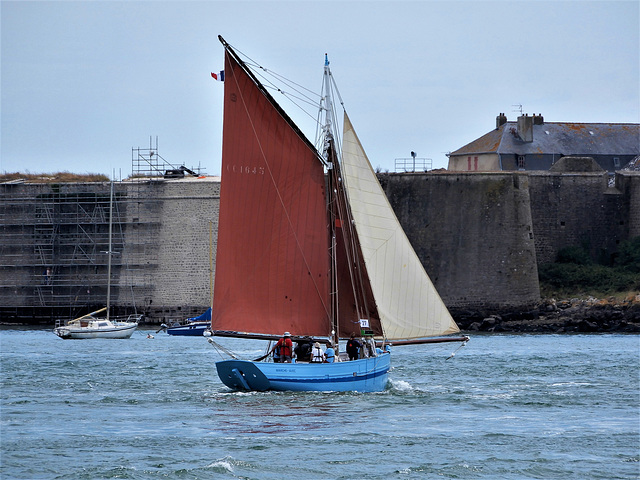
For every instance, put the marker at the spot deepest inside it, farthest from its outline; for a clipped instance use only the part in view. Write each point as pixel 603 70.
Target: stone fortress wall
pixel 480 237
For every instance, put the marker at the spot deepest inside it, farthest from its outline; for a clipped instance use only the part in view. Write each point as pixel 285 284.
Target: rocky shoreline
pixel 575 315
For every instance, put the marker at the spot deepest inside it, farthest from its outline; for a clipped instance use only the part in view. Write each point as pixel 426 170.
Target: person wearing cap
pixel 316 354
pixel 284 348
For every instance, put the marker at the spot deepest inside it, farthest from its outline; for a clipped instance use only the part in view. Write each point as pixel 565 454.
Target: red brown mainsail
pixel 272 263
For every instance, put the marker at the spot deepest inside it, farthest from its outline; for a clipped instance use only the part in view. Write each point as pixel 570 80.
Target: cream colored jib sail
pixel 408 303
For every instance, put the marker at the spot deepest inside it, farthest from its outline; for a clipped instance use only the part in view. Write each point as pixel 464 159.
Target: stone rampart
pixel 188 214
pixel 54 239
pixel 473 233
pixel 480 237
pixel 578 209
pixel 629 184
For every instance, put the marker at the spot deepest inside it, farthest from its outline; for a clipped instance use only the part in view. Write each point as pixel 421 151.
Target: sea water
pixel 504 407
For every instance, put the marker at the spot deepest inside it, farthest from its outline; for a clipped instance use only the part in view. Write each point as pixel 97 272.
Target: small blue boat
pixel 193 327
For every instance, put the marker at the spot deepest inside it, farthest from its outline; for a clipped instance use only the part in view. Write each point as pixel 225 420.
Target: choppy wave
pixel 508 407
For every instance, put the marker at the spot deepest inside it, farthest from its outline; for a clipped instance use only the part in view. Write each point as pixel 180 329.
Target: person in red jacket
pixel 283 349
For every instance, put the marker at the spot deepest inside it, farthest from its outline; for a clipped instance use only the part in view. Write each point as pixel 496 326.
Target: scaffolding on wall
pixel 53 249
pixel 148 163
pixel 149 168
pixel 54 239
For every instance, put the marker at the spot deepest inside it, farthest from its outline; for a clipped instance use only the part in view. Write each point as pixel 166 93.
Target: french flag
pixel 218 76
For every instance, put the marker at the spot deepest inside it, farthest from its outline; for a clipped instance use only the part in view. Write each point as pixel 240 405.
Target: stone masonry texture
pixel 480 237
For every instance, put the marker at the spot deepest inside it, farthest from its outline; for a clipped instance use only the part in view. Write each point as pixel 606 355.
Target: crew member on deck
pixel 329 355
pixel 285 347
pixel 353 348
pixel 303 350
pixel 316 354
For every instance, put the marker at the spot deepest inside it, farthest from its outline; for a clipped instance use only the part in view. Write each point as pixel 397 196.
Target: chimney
pixel 525 128
pixel 501 120
pixel 538 119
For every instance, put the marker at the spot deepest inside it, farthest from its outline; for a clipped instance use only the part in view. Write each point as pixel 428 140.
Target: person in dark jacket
pixel 303 350
pixel 353 348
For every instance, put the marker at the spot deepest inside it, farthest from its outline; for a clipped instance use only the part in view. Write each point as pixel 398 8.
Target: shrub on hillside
pixel 575 255
pixel 574 278
pixel 574 272
pixel 628 257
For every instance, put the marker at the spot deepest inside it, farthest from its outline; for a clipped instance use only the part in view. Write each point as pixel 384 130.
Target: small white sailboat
pixel 91 326
pixel 309 244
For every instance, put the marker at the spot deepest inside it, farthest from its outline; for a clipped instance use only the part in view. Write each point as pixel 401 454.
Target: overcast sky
pixel 83 82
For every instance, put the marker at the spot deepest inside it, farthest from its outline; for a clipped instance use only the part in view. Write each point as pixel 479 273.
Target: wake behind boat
pixel 308 243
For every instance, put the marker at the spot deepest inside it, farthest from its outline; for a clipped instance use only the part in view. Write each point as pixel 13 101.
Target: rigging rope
pixel 302 93
pixel 456 350
pixel 219 348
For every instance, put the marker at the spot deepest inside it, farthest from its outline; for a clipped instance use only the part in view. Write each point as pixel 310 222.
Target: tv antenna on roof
pixel 519 105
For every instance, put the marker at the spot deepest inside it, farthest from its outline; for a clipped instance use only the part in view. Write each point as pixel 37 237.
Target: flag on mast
pixel 218 76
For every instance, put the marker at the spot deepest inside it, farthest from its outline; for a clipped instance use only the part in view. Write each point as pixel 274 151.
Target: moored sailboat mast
pixel 109 253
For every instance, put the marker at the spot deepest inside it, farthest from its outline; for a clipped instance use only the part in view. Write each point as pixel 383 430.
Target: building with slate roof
pixel 530 143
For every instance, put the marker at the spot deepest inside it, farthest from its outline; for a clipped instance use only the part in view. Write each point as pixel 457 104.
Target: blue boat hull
pixel 365 375
pixel 191 329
